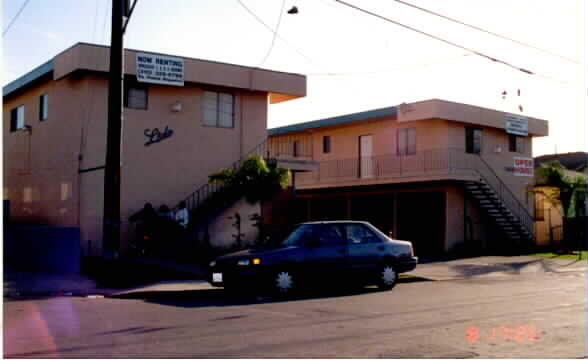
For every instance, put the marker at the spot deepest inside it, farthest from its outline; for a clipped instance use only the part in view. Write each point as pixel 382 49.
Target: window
pixel 17 118
pixel 136 96
pixel 43 107
pixel 218 109
pixel 473 140
pixel 406 142
pixel 359 234
pixel 296 148
pixel 330 235
pixel 323 234
pixel 516 143
pixel 326 144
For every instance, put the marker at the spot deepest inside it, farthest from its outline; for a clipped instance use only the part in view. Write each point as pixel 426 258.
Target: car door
pixel 364 248
pixel 328 256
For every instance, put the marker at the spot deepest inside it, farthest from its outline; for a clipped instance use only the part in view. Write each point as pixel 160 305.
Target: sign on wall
pixel 517 124
pixel 523 166
pixel 160 69
pixel 155 136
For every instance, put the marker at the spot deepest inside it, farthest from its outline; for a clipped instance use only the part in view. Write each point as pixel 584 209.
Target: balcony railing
pixel 424 163
pixel 429 162
pixel 289 147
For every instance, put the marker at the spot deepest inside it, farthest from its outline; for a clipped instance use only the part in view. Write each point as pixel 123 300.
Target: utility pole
pixel 111 216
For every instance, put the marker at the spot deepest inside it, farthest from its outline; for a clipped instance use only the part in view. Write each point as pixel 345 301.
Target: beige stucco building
pixel 443 175
pixel 54 135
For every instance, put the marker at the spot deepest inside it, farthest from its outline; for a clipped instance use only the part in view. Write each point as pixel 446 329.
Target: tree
pixel 564 192
pixel 254 179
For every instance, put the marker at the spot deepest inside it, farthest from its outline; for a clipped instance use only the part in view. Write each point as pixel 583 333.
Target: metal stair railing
pixel 269 148
pixel 207 190
pixel 506 196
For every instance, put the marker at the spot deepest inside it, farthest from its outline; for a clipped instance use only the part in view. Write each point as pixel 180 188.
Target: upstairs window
pixel 136 96
pixel 219 109
pixel 406 141
pixel 43 107
pixel 296 148
pixel 326 144
pixel 17 118
pixel 473 140
pixel 516 143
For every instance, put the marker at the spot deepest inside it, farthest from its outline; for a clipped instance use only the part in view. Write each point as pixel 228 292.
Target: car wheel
pixel 284 282
pixel 387 277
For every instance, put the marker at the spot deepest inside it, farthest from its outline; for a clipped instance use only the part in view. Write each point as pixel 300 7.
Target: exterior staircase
pixel 500 205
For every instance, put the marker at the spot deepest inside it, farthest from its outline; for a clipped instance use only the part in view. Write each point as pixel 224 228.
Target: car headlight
pixel 256 261
pixel 212 263
pixel 243 262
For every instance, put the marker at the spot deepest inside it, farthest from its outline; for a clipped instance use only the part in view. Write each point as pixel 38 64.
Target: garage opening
pixel 421 220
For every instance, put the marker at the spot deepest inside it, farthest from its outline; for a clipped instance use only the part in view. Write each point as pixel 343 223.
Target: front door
pixel 366 168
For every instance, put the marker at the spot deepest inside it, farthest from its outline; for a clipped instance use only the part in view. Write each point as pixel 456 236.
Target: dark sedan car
pixel 323 251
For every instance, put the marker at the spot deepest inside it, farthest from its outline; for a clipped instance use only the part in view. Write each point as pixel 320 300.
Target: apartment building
pixel 183 119
pixel 444 175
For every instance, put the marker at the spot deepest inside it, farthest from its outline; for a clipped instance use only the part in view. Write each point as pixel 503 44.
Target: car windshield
pixel 300 236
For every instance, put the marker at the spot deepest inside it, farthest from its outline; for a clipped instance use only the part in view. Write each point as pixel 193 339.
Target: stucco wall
pixel 345 139
pixel 496 153
pixel 433 134
pixel 40 166
pixel 552 218
pixel 164 172
pixel 221 229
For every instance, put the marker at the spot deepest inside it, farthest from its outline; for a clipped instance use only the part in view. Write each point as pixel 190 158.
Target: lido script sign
pixel 160 69
pixel 517 125
pixel 523 166
pixel 155 136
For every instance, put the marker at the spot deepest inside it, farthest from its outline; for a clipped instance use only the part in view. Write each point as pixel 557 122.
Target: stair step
pixel 494 206
pixel 485 197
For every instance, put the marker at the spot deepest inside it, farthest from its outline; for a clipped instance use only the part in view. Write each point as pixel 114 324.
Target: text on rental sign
pixel 160 69
pixel 523 166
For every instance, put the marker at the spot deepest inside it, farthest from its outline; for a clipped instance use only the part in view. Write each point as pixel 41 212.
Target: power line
pixel 15 17
pixel 437 38
pixel 106 16
pixel 275 33
pixel 278 35
pixel 95 20
pixel 486 31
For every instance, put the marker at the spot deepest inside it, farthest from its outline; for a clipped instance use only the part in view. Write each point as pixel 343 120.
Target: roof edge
pixel 334 121
pixel 28 78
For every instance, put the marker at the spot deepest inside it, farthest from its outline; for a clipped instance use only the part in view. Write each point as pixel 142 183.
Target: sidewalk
pixel 495 266
pixel 99 277
pixel 108 277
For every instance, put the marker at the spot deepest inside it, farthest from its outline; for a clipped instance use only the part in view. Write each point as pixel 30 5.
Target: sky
pixel 353 61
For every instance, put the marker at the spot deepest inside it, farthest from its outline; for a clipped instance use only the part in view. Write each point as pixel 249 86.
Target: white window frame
pixel 130 98
pixel 212 109
pixel 20 118
pixel 43 107
pixel 404 146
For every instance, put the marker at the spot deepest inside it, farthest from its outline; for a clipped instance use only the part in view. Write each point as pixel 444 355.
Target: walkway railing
pixel 424 163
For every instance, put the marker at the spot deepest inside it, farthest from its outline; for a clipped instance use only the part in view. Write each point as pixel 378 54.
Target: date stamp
pixel 522 334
